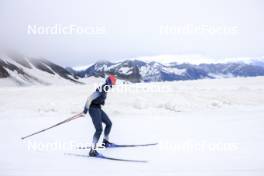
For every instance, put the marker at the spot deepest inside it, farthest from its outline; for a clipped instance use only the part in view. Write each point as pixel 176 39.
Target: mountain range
pixel 142 71
pixel 19 70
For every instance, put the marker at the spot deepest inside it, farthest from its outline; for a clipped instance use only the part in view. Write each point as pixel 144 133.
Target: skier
pixel 93 106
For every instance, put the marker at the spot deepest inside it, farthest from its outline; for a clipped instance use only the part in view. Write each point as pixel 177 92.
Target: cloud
pixel 132 29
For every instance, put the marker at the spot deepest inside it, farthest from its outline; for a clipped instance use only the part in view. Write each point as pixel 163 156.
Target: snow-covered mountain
pixel 20 70
pixel 142 71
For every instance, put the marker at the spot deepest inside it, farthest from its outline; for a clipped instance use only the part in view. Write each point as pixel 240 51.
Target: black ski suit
pixel 93 105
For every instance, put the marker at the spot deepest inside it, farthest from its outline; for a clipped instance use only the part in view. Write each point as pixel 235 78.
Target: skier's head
pixel 111 79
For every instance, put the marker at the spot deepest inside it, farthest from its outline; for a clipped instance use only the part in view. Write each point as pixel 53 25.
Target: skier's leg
pixel 108 125
pixel 96 114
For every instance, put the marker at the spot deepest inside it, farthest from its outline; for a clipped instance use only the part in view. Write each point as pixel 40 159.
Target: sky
pixel 120 29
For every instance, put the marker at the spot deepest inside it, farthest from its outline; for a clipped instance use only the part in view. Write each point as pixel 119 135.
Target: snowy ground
pixel 205 127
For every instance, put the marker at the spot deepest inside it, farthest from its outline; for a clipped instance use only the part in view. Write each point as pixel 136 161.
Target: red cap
pixel 113 79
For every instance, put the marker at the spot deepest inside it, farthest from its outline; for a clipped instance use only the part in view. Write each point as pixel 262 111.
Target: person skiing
pixel 93 106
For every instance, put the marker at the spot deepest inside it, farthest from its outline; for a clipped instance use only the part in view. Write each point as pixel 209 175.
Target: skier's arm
pixel 89 101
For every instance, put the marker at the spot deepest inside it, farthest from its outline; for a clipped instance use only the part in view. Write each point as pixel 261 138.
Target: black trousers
pixel 98 117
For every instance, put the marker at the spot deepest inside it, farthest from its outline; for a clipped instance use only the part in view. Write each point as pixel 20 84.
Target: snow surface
pixel 176 71
pixel 125 70
pixel 225 115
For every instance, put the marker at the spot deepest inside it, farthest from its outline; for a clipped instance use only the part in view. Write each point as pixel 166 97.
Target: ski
pixel 106 158
pixel 120 145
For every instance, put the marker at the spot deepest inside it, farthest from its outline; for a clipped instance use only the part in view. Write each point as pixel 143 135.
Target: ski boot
pixel 93 153
pixel 106 143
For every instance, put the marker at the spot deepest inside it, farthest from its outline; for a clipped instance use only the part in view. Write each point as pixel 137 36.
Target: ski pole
pixel 60 123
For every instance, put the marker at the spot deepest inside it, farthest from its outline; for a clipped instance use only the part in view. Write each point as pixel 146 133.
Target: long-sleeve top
pixel 97 98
